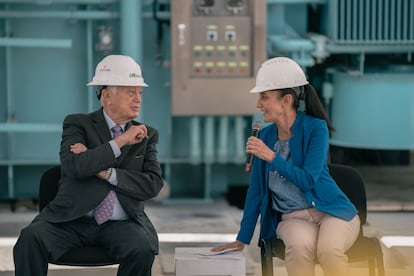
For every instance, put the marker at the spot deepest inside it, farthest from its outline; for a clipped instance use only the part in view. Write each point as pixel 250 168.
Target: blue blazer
pixel 309 148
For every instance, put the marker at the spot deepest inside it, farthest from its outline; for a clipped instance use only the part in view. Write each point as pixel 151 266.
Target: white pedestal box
pixel 200 261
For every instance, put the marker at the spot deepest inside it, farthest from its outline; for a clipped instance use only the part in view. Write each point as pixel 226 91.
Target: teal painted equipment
pixel 358 54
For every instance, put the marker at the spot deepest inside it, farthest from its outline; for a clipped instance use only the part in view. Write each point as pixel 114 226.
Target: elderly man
pixel 109 167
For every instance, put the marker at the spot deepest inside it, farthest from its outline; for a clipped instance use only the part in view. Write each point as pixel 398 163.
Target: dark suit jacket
pixel 80 191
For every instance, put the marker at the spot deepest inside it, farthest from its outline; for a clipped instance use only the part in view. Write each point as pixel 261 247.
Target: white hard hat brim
pixel 259 89
pixel 93 83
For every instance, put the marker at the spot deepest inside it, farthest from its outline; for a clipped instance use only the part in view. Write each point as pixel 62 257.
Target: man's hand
pixel 133 135
pixel 78 148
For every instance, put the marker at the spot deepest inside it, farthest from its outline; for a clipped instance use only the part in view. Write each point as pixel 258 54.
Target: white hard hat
pixel 118 70
pixel 279 73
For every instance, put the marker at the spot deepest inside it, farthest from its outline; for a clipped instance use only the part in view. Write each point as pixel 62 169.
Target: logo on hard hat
pixel 134 75
pixel 105 69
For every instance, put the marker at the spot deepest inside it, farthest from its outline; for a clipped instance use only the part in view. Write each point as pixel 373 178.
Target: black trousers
pixel 42 241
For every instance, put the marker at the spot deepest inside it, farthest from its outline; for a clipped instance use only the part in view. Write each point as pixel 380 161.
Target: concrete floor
pixel 390 194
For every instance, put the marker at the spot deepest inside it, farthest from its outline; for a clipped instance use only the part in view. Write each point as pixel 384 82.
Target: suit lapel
pixel 101 127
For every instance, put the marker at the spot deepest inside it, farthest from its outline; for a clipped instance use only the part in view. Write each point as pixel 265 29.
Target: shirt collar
pixel 110 122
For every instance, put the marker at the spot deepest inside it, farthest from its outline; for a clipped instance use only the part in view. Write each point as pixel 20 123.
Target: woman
pixel 290 185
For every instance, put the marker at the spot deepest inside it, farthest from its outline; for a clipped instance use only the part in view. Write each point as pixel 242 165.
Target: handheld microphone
pixel 256 127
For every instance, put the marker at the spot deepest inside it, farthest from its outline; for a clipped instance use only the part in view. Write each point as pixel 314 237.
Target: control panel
pixel 220 39
pixel 217 48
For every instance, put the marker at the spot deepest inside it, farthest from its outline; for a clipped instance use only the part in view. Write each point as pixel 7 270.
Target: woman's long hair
pixel 313 105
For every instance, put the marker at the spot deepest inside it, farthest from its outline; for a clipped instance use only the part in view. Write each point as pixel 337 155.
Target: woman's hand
pixel 256 147
pixel 236 245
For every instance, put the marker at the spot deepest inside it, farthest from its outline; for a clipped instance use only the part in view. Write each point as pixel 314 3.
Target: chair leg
pixel 380 260
pixel 267 259
pixel 377 263
pixel 371 266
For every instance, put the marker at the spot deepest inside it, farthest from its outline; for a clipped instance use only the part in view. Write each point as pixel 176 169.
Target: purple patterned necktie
pixel 105 209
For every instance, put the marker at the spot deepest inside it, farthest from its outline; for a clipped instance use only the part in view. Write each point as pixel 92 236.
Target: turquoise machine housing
pixel 358 55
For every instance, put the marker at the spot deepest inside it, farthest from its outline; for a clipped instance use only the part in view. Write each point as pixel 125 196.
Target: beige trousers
pixel 309 235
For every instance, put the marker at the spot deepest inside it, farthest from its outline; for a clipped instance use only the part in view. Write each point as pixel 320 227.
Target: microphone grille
pixel 257 125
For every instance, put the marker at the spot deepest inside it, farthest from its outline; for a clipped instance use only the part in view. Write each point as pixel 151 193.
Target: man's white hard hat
pixel 279 73
pixel 118 70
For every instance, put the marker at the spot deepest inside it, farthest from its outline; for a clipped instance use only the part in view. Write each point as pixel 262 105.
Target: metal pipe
pixel 240 153
pixel 8 74
pixel 405 21
pixel 354 21
pixel 29 127
pixel 160 15
pixel 374 17
pixel 380 19
pixel 284 44
pixel 341 35
pixel 49 2
pixel 392 22
pixel 131 34
pixel 10 181
pixel 131 29
pixel 367 21
pixel 80 15
pixel 411 23
pixel 327 93
pixel 89 62
pixel 348 20
pixel 223 147
pixel 9 113
pixel 209 140
pixel 361 19
pixel 207 181
pixel 195 143
pixel 278 22
pixel 35 42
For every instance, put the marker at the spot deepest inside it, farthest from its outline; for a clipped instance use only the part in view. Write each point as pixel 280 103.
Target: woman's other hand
pixel 236 245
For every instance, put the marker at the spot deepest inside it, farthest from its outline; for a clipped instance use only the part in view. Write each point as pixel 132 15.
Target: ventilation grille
pixel 386 22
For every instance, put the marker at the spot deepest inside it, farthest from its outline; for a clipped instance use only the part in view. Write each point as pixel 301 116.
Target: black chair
pixel 364 249
pixel 81 256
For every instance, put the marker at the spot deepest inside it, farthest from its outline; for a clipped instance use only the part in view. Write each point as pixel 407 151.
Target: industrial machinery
pixel 199 58
pixel 217 46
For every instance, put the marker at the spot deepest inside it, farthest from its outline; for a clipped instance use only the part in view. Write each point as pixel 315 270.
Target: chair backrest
pixel 48 186
pixel 87 255
pixel 352 184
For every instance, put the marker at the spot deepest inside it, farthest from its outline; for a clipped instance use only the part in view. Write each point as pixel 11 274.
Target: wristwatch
pixel 108 173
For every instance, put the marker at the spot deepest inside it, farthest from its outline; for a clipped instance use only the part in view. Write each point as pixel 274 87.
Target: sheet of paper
pixel 230 253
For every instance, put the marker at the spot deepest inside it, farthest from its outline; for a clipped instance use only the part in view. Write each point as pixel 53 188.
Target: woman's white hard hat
pixel 279 73
pixel 118 70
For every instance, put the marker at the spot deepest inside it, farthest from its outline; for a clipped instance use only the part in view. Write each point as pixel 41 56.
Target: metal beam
pixel 49 2
pixel 80 15
pixel 29 127
pixel 35 42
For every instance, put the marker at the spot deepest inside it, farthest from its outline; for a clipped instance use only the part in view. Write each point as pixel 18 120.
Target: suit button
pixel 313 203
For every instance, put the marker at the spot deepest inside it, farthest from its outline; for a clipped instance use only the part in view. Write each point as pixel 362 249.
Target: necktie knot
pixel 116 130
